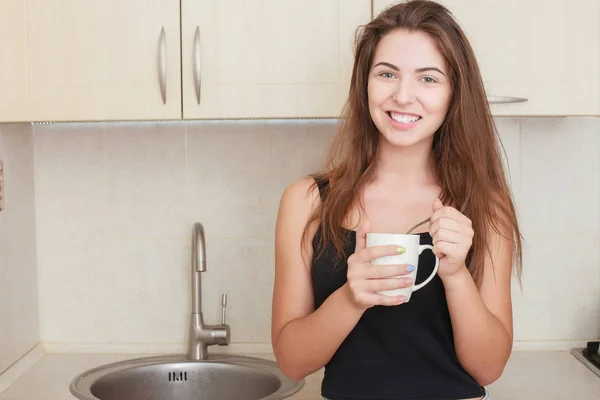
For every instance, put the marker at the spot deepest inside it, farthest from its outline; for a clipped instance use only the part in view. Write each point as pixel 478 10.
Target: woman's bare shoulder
pixel 302 195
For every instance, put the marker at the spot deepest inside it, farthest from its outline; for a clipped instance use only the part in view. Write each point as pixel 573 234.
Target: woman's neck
pixel 405 166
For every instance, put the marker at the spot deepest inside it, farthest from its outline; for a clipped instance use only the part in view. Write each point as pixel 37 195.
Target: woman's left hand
pixel 452 238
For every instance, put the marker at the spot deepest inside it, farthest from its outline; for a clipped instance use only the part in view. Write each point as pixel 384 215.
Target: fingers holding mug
pixel 403 283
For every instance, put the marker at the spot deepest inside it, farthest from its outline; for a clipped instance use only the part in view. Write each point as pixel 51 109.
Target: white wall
pixel 560 195
pixel 115 204
pixel 19 321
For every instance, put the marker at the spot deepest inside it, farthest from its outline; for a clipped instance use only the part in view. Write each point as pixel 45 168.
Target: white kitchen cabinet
pixel 13 71
pixel 546 51
pixel 102 60
pixel 90 60
pixel 268 58
pixel 85 60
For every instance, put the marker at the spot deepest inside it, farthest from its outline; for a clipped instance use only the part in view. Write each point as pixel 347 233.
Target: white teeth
pixel 404 119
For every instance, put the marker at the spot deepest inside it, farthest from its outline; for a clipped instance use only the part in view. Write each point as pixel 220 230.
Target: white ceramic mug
pixel 411 256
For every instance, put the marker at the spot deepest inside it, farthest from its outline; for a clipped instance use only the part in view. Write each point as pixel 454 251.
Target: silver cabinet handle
pixel 197 64
pixel 162 65
pixel 505 99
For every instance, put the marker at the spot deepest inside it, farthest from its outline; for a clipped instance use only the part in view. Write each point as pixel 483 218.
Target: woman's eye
pixel 429 79
pixel 387 75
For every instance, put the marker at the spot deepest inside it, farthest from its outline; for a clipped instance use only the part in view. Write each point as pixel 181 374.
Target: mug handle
pixel 437 263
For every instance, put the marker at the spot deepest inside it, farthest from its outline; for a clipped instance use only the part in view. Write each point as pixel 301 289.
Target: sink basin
pixel 174 377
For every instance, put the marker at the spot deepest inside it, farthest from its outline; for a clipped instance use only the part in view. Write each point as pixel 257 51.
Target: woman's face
pixel 409 88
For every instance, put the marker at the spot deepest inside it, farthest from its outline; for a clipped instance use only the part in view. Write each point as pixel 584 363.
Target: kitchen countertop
pixel 529 375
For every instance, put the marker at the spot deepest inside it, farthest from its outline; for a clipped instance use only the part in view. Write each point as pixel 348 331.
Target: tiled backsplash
pixel 115 204
pixel 19 319
pixel 559 214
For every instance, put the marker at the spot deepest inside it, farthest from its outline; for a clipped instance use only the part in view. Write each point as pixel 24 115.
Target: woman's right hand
pixel 365 280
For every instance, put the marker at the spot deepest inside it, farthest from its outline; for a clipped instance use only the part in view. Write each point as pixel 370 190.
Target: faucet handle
pixel 223 307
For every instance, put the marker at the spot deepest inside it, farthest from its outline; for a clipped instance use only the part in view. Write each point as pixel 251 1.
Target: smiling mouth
pixel 403 118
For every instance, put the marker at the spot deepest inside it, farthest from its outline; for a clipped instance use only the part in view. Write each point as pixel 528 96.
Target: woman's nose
pixel 404 93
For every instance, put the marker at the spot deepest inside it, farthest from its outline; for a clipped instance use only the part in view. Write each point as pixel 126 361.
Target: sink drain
pixel 178 377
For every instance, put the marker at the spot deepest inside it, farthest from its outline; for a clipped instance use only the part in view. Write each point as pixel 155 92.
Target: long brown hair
pixel 465 150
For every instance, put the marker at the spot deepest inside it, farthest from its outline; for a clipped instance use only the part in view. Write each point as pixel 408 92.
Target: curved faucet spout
pixel 198 248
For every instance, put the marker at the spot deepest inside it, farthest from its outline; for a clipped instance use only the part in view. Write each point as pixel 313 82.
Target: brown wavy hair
pixel 465 150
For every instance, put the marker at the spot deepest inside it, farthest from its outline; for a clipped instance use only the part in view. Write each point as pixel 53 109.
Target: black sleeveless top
pixel 400 352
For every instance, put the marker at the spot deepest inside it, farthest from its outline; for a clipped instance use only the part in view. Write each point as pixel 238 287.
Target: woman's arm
pixel 303 340
pixel 481 318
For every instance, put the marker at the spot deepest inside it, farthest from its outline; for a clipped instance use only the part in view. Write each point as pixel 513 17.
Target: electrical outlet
pixel 1 186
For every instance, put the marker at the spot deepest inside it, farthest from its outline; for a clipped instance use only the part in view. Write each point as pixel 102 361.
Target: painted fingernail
pixel 400 250
pixel 410 268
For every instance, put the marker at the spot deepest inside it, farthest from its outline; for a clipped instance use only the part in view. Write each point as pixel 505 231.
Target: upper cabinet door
pixel 545 52
pixel 103 60
pixel 13 61
pixel 268 58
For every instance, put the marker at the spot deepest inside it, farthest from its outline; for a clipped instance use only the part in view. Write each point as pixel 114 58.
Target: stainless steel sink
pixel 174 377
pixel 196 375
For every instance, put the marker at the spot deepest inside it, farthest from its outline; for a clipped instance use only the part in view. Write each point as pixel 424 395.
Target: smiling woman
pixel 417 142
pixel 407 67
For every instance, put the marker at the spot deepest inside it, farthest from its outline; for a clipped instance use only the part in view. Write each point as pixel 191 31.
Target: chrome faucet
pixel 201 335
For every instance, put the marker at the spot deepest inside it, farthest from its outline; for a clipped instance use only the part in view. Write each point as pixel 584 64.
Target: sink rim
pixel 81 385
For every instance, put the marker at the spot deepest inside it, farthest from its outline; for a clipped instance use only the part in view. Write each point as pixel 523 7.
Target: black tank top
pixel 400 352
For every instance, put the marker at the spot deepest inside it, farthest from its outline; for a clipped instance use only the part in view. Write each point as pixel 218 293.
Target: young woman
pixel 417 140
